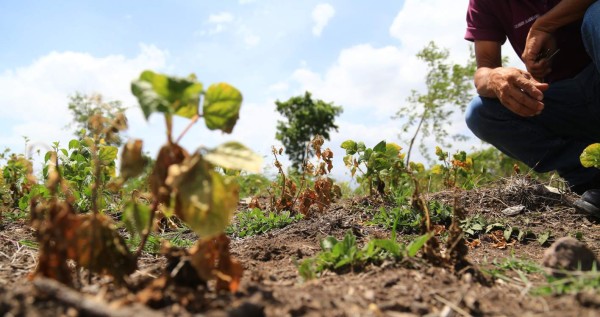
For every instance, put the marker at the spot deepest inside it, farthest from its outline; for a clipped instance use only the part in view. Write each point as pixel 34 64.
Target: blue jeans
pixel 570 121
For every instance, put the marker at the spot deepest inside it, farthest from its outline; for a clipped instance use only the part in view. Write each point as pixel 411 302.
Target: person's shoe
pixel 589 203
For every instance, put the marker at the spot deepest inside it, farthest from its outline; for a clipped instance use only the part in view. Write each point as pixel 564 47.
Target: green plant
pixel 345 254
pixel 305 118
pixel 572 282
pixel 255 221
pixel 187 185
pixel 455 172
pixel 16 179
pixel 408 220
pixel 77 163
pixel 478 224
pixel 382 167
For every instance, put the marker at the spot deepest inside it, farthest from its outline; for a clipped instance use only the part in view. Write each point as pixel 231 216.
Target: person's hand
pixel 538 43
pixel 517 90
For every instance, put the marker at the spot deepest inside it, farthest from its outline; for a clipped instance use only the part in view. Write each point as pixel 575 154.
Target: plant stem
pixel 412 141
pixel 95 186
pixel 192 122
pixel 146 232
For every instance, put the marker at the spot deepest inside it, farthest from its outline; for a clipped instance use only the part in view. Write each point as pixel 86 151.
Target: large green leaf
pixel 108 154
pixel 221 107
pixel 234 155
pixel 350 147
pixel 204 199
pixel 591 156
pixel 170 95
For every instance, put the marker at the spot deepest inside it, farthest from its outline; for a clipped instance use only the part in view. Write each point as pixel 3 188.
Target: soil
pixel 271 285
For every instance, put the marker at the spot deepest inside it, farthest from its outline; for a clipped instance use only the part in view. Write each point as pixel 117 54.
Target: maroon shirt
pixel 495 20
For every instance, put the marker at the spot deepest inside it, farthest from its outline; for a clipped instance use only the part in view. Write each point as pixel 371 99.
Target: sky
pixel 356 54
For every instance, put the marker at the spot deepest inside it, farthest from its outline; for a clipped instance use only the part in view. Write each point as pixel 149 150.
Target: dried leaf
pixel 168 155
pixel 100 248
pixel 91 241
pixel 132 160
pixel 211 259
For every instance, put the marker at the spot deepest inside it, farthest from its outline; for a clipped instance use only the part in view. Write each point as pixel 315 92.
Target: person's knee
pixel 591 21
pixel 473 116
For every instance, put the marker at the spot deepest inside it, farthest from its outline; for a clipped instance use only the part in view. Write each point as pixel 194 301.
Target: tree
pixel 305 119
pixel 83 107
pixel 448 86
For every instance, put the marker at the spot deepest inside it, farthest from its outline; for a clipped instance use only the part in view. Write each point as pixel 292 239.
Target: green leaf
pixel 388 245
pixel 234 155
pixel 508 232
pixel 328 243
pixel 350 146
pixel 543 237
pixel 136 218
pixel 73 144
pixel 417 244
pixel 108 153
pixel 204 199
pixel 591 156
pixel 221 108
pixel 380 147
pixel 169 95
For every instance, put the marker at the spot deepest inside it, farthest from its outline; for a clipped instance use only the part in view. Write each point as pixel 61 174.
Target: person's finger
pixel 517 107
pixel 541 86
pixel 528 86
pixel 535 106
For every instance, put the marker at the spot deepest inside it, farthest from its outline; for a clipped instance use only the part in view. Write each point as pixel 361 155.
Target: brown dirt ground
pixel 271 285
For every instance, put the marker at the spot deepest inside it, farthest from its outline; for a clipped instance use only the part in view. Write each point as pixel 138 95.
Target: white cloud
pixel 34 98
pixel 223 17
pixel 365 77
pixel 372 82
pixel 421 21
pixel 219 22
pixel 246 1
pixel 321 15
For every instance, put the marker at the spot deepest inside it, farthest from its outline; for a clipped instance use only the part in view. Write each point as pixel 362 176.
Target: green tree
pixel 305 119
pixel 448 86
pixel 83 107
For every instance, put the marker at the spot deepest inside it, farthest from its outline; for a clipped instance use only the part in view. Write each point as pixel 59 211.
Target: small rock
pixel 513 211
pixel 569 254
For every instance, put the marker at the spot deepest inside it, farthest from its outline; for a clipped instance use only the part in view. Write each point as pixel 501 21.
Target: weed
pixel 255 221
pixel 572 282
pixel 343 255
pixel 381 168
pixel 408 220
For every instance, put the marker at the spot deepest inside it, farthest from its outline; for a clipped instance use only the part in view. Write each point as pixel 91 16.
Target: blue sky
pixel 353 53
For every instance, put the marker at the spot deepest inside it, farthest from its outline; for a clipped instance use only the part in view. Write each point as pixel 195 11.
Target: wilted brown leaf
pixel 132 160
pixel 64 235
pixel 212 260
pixel 168 155
pixel 100 248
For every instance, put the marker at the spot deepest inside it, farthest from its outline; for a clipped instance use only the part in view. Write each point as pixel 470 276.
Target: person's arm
pixel 540 34
pixel 516 89
pixel 565 12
